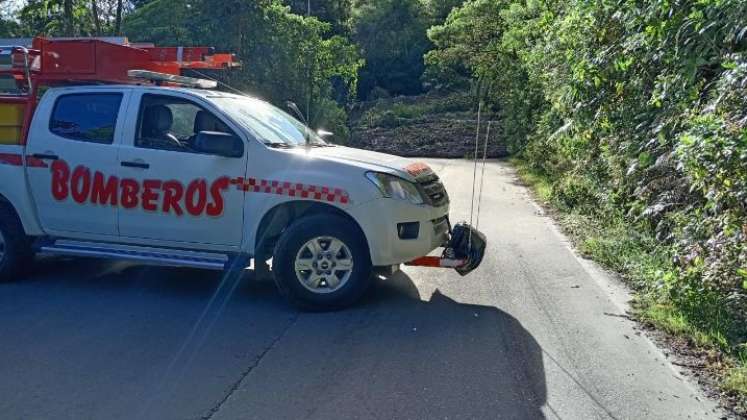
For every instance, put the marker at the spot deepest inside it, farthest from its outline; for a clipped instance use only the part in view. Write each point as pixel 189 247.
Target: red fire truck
pixel 107 151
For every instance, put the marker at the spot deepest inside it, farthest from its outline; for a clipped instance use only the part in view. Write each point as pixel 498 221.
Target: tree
pixel 69 28
pixel 438 10
pixel 118 21
pixel 334 12
pixel 70 17
pixel 392 37
pixel 96 18
pixel 9 28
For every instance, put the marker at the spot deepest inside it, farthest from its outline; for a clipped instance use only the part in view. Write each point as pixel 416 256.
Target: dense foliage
pixel 632 108
pixel 335 12
pixel 391 34
pixel 65 17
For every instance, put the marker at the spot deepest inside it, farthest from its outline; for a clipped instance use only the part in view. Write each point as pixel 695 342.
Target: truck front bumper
pixel 398 232
pixel 463 253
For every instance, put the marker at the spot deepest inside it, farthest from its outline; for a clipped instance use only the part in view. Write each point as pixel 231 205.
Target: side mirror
pixel 220 144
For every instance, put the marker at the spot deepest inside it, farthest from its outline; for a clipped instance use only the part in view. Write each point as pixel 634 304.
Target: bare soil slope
pixel 426 125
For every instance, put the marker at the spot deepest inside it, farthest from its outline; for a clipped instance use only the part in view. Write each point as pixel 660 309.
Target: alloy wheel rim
pixel 324 264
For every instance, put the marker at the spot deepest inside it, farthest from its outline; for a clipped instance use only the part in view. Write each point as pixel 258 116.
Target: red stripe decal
pixel 33 162
pixel 292 189
pixel 11 159
pixel 14 159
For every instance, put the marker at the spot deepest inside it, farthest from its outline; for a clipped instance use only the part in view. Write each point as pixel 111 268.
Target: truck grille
pixel 433 188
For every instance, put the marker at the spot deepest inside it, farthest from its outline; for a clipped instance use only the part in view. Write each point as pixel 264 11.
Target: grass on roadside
pixel 736 379
pixel 647 266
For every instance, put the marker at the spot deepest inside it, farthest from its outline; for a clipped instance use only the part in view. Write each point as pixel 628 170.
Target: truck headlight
pixel 395 187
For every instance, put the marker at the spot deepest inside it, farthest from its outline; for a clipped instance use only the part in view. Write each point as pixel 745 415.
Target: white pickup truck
pixel 189 177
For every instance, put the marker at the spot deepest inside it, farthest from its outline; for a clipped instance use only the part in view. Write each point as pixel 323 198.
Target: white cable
pixel 474 178
pixel 474 173
pixel 482 176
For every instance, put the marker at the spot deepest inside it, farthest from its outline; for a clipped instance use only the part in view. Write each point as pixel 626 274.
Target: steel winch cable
pixel 472 216
pixel 482 175
pixel 474 172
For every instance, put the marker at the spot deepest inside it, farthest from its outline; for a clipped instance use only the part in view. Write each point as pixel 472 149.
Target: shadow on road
pixel 434 357
pixel 95 339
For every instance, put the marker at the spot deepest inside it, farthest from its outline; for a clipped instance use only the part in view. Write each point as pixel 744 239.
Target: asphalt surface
pixel 532 334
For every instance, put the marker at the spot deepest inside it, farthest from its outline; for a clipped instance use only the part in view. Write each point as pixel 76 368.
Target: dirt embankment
pixel 431 126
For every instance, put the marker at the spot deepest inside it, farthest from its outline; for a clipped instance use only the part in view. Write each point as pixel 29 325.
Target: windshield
pixel 268 123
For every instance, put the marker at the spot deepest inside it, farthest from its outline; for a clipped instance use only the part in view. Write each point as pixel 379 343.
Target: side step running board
pixel 142 254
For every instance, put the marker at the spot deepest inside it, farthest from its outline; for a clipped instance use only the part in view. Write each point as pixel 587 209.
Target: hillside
pixel 433 125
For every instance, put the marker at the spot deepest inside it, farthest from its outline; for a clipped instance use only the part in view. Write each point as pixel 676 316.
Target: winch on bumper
pixel 402 233
pixel 464 251
pixel 399 232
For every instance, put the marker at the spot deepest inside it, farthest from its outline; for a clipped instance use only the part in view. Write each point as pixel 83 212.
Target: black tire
pixel 290 244
pixel 15 246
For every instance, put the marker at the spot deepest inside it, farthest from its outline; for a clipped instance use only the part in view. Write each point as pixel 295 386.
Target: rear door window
pixel 88 117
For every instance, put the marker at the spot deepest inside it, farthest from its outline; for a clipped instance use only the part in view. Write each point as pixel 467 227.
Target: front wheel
pixel 322 262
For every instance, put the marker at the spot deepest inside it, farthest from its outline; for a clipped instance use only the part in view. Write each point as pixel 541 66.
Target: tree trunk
pixel 118 23
pixel 96 19
pixel 68 16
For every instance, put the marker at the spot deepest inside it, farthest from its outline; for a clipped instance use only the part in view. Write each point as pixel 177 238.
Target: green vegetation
pixel 634 114
pixel 649 265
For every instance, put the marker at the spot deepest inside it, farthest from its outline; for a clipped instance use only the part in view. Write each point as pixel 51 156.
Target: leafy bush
pixel 636 109
pixel 391 36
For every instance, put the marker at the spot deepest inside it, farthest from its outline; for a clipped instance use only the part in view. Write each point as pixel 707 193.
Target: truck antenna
pixel 310 86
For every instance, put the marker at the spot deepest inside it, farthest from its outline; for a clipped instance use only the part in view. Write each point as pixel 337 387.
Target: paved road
pixel 524 337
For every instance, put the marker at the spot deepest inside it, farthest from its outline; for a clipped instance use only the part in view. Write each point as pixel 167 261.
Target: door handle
pixel 45 156
pixel 141 165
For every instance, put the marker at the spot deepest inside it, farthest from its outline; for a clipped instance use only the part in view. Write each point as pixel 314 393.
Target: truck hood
pixel 366 159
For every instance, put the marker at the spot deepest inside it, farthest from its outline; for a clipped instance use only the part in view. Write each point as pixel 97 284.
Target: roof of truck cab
pixel 205 93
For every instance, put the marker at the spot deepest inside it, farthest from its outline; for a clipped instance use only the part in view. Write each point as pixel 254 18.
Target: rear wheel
pixel 15 249
pixel 322 262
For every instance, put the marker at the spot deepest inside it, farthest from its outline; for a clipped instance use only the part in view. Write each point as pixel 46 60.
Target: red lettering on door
pixel 215 208
pixel 197 198
pixel 60 176
pixel 80 184
pixel 172 195
pixel 104 190
pixel 197 188
pixel 130 189
pixel 150 194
